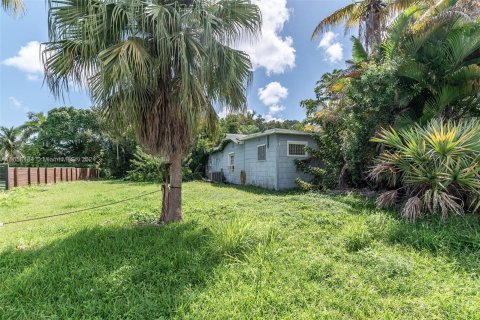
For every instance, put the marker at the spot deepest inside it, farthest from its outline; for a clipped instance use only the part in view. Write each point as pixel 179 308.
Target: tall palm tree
pixel 10 144
pixel 160 65
pixel 370 16
pixel 15 6
pixel 33 125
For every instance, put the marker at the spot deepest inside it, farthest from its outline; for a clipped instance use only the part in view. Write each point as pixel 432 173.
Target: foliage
pixel 345 115
pixel 417 73
pixel 11 143
pixel 441 63
pixel 15 6
pixel 432 169
pixel 370 16
pixel 147 167
pixel 375 99
pixel 251 122
pixel 302 256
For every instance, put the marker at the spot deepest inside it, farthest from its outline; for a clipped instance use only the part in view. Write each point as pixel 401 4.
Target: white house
pixel 264 159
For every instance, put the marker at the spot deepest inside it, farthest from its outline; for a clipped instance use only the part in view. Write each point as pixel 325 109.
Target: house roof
pixel 239 138
pixel 235 138
pixel 273 131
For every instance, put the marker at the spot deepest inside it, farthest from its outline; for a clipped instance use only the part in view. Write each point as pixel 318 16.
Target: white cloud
pixel 272 93
pixel 15 102
pixel 333 50
pixel 272 51
pixel 18 104
pixel 28 60
pixel 275 108
pixel 269 117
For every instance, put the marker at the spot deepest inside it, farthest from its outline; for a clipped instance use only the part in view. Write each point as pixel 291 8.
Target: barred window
pixel 262 152
pixel 296 148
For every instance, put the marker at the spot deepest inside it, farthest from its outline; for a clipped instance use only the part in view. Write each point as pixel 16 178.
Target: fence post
pixel 15 177
pixel 6 177
pixel 29 176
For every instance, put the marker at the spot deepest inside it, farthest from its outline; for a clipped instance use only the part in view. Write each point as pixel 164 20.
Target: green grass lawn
pixel 242 253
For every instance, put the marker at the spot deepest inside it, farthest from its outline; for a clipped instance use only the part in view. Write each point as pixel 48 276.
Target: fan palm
pixel 431 169
pixel 370 16
pixel 160 66
pixel 15 6
pixel 10 143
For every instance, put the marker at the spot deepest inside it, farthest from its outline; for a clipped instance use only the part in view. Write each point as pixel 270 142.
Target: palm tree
pixel 370 16
pixel 160 65
pixel 33 125
pixel 10 144
pixel 15 6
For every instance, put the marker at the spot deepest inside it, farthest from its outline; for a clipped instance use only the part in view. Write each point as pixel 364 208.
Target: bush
pixel 431 169
pixel 147 167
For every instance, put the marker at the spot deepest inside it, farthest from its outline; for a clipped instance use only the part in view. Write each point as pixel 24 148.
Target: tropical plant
pixel 441 63
pixel 160 66
pixel 431 169
pixel 33 126
pixel 146 167
pixel 10 144
pixel 15 6
pixel 370 16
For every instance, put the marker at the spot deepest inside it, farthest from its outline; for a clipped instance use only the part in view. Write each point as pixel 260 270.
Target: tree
pixel 33 126
pixel 159 65
pixel 370 16
pixel 15 6
pixel 10 143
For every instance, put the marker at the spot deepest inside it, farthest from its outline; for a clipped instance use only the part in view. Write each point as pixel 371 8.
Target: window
pixel 261 152
pixel 296 148
pixel 231 162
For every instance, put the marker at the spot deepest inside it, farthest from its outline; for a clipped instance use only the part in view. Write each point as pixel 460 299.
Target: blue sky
pixel 287 64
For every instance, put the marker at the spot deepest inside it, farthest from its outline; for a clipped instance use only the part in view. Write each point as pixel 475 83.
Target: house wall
pixel 261 173
pixel 287 171
pixel 278 171
pixel 219 161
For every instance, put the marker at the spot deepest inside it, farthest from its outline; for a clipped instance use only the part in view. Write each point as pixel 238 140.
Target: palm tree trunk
pixel 172 194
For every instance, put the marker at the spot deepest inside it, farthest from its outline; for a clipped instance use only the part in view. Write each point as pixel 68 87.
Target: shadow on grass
pixel 138 272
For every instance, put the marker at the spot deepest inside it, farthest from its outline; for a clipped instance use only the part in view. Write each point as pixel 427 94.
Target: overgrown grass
pixel 241 253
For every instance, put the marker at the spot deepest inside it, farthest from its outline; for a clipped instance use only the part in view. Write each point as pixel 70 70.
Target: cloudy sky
pixel 287 64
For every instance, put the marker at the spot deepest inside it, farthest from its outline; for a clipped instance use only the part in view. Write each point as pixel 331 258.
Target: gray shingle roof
pixel 239 138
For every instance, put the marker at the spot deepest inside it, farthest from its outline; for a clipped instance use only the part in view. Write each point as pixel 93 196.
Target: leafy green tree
pixel 69 132
pixel 11 144
pixel 159 66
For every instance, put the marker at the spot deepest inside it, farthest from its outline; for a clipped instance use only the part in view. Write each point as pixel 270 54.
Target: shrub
pixel 431 169
pixel 146 167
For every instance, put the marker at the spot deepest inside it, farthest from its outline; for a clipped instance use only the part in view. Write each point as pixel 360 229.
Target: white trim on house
pixel 304 143
pixel 262 145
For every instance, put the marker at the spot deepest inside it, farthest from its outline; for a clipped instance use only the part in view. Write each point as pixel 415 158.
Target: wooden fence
pixel 21 176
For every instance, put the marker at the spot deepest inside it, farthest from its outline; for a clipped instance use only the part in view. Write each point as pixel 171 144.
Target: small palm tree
pixel 10 144
pixel 159 65
pixel 370 16
pixel 431 169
